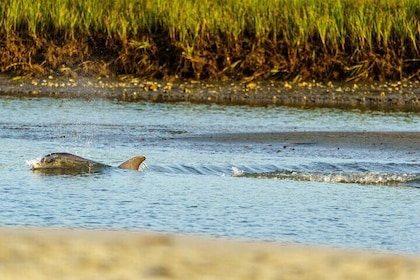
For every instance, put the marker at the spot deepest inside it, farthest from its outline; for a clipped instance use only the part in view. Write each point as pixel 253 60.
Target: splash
pixel 143 166
pixel 236 172
pixel 33 163
pixel 364 178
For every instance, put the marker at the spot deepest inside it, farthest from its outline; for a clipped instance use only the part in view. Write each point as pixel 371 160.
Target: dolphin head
pixel 48 161
pixel 63 161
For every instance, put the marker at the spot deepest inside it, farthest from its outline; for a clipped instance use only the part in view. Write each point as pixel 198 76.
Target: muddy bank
pixel 397 96
pixel 77 254
pixel 406 141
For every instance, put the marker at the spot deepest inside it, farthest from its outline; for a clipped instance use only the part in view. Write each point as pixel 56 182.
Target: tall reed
pixel 352 28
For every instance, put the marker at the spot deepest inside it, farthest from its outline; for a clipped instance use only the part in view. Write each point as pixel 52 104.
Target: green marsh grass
pixel 345 39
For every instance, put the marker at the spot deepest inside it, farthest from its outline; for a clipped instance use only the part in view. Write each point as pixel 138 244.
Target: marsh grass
pixel 341 39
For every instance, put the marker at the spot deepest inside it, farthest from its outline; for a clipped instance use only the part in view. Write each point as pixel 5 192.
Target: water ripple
pixel 358 173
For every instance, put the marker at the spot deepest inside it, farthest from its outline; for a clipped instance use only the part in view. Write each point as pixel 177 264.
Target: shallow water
pixel 205 175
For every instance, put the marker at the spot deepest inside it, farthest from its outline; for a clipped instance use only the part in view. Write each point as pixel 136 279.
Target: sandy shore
pixel 80 254
pixel 396 96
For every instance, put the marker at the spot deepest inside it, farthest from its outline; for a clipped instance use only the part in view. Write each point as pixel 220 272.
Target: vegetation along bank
pixel 345 40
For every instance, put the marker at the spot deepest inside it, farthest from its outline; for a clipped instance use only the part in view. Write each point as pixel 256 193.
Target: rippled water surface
pixel 213 170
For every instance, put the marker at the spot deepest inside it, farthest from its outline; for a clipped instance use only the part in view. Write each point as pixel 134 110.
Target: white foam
pixel 33 163
pixel 364 178
pixel 143 166
pixel 236 172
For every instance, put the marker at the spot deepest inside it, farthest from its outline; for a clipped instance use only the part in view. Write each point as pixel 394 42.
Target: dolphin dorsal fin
pixel 132 163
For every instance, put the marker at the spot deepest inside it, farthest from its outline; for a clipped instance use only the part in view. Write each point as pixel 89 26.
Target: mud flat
pixel 406 141
pixel 80 254
pixel 390 96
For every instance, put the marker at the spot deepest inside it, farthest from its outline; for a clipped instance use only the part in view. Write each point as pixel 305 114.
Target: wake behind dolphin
pixel 65 163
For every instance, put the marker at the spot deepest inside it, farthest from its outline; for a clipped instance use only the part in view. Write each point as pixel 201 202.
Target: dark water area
pixel 345 178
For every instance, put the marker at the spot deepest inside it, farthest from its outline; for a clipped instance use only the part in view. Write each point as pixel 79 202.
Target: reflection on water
pixel 290 191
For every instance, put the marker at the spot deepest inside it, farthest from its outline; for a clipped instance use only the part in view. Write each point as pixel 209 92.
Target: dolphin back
pixel 65 163
pixel 132 163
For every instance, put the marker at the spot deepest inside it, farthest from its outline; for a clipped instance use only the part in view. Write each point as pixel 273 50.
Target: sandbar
pixel 394 140
pixel 95 254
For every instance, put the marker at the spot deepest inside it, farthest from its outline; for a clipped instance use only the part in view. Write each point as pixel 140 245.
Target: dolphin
pixel 65 163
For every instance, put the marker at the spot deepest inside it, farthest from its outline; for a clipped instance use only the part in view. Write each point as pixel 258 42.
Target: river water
pixel 213 170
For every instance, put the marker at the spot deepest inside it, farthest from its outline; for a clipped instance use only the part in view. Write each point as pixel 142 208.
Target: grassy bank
pixel 217 39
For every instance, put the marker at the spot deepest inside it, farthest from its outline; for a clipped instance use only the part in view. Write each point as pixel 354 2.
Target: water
pixel 214 170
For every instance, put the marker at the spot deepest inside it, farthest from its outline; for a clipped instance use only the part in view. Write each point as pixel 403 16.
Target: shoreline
pixel 387 96
pixel 98 254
